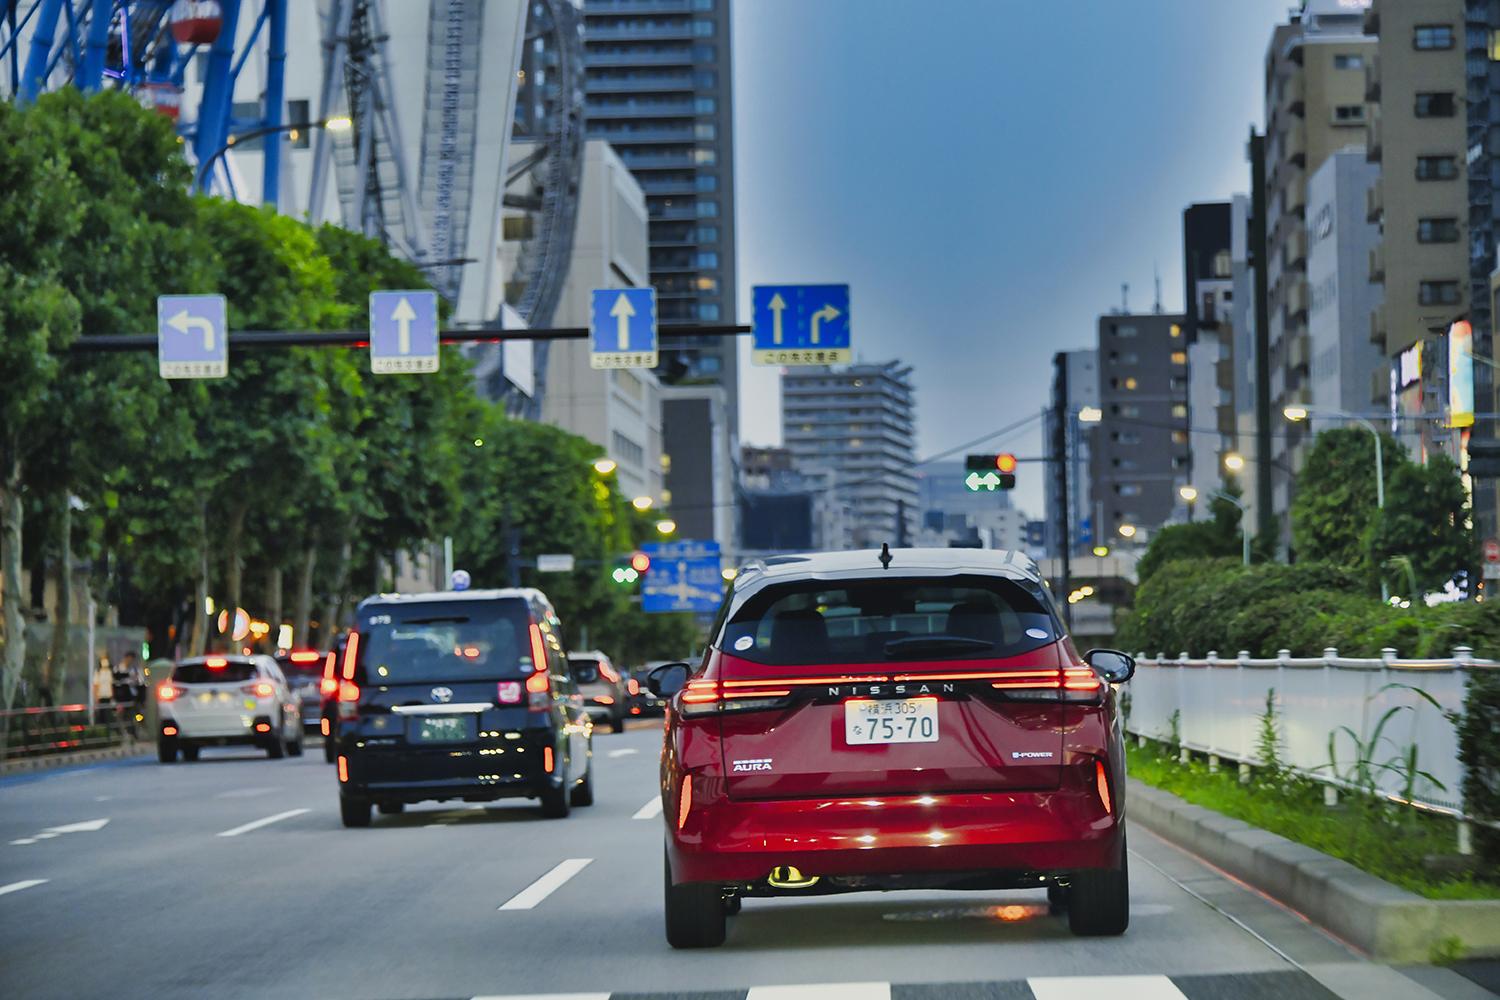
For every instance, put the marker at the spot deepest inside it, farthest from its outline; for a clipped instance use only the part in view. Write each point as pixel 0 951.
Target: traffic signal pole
pixel 1059 458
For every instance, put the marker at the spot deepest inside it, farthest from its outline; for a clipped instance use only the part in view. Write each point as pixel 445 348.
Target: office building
pixel 700 494
pixel 1349 372
pixel 1139 458
pixel 1208 257
pixel 1483 118
pixel 1315 106
pixel 857 421
pixel 619 410
pixel 1418 134
pixel 1075 389
pixel 952 514
pixel 787 509
pixel 658 88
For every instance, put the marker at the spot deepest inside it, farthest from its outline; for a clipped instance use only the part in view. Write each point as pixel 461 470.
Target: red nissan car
pixel 907 719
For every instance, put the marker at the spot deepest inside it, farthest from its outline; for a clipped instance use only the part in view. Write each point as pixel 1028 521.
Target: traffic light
pixel 990 472
pixel 624 575
pixel 640 562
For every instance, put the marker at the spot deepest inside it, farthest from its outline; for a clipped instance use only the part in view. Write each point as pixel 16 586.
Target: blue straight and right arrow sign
pixel 800 324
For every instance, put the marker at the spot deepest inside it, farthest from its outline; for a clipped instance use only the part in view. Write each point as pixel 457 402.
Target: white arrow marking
pixel 403 314
pixel 777 305
pixel 622 310
pixel 826 315
pixel 86 826
pixel 186 322
pixel 18 886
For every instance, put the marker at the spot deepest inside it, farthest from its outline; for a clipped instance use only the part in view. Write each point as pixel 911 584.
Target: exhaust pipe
pixel 787 877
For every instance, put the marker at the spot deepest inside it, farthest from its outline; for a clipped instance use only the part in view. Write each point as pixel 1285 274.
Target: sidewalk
pixel 126 750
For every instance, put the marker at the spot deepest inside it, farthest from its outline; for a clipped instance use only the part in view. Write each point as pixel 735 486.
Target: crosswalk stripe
pixel 650 810
pixel 1114 987
pixel 545 886
pixel 824 991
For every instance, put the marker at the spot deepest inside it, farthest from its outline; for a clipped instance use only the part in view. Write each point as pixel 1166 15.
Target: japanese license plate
pixel 892 720
pixel 441 728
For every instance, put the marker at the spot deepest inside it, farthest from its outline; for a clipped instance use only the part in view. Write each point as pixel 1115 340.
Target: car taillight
pixel 1071 684
pixel 633 686
pixel 686 802
pixel 1101 778
pixel 326 727
pixel 261 690
pixel 215 662
pixel 539 684
pixel 704 697
pixel 348 700
pixel 168 692
pixel 343 768
pixel 351 652
pixel 305 656
pixel 700 697
pixel 328 687
pixel 547 759
pixel 603 699
pixel 508 692
pixel 609 673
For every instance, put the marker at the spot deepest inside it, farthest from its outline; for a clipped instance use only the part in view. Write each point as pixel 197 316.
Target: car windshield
pixel 888 620
pixel 444 641
pixel 233 672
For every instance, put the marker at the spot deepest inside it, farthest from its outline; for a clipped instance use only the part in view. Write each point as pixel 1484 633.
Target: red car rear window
pixel 870 621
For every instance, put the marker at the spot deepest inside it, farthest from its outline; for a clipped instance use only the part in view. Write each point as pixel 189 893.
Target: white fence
pixel 1216 706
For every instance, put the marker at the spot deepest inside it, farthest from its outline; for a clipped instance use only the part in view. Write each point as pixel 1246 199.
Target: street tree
pixel 1334 510
pixel 1424 527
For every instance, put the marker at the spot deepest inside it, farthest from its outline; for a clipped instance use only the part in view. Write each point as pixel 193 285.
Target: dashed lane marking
pixel 18 886
pixel 1114 987
pixel 823 991
pixel 257 824
pixel 529 897
pixel 623 752
pixel 650 810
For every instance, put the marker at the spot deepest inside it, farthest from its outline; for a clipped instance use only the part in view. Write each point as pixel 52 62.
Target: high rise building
pixel 658 87
pixel 1483 107
pixel 1140 452
pixel 857 421
pixel 1315 106
pixel 1418 134
pixel 1075 387
pixel 1208 269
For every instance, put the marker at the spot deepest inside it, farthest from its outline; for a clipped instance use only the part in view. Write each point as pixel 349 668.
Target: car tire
pixel 392 808
pixel 354 812
pixel 276 749
pixel 1057 899
pixel 330 750
pixel 1099 901
pixel 295 749
pixel 189 752
pixel 556 802
pixel 694 911
pixel 617 724
pixel 733 905
pixel 583 792
pixel 166 749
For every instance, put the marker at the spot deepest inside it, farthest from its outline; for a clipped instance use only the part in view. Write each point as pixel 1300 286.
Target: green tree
pixel 1214 538
pixel 1425 524
pixel 1334 508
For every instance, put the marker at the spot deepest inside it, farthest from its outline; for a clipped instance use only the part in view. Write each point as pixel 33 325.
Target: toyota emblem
pixel 442 694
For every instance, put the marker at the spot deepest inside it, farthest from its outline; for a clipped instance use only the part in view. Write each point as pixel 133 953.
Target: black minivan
pixel 459 695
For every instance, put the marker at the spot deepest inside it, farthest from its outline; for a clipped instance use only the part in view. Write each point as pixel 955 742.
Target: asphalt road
pixel 232 877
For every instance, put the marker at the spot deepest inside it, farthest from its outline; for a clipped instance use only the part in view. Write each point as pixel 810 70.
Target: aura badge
pixel 754 764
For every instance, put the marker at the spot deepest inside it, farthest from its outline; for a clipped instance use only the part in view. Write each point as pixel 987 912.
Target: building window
pixel 1125 331
pixel 705 54
pixel 1437 230
pixel 709 311
pixel 1438 293
pixel 297 114
pixel 707 105
pixel 706 182
pixel 703 29
pixel 705 157
pixel 1437 168
pixel 706 258
pixel 1495 45
pixel 707 234
pixel 1347 61
pixel 1128 358
pixel 1179 437
pixel 246 114
pixel 517 228
pixel 1125 437
pixel 1175 331
pixel 1127 489
pixel 703 5
pixel 1179 411
pixel 707 284
pixel 1432 36
pixel 626 450
pixel 1223 265
pixel 1437 104
pixel 705 79
pixel 708 208
pixel 705 130
pixel 1349 114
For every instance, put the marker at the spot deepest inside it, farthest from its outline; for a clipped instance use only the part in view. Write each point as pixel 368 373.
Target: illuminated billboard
pixel 1461 374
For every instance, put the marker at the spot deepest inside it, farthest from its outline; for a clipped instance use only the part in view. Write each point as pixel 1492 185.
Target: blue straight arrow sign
pixel 403 332
pixel 622 328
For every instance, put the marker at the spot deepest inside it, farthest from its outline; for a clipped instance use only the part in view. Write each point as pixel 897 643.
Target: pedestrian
pixel 104 689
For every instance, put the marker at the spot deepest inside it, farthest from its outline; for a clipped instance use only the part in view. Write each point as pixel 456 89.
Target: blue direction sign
pixel 800 324
pixel 684 576
pixel 403 332
pixel 622 328
pixel 192 336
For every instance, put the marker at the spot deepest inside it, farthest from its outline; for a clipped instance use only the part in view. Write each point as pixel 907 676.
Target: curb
pixel 23 765
pixel 1388 922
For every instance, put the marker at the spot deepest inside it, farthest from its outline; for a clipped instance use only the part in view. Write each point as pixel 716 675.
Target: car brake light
pixel 686 801
pixel 348 700
pixel 328 686
pixel 262 727
pixel 215 662
pixel 633 686
pixel 169 730
pixel 539 684
pixel 305 656
pixel 1101 777
pixel 603 699
pixel 168 692
pixel 609 673
pixel 261 690
pixel 547 759
pixel 343 768
pixel 351 651
pixel 326 727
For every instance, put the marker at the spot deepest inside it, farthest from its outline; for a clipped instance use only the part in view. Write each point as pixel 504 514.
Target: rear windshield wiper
pixel 918 644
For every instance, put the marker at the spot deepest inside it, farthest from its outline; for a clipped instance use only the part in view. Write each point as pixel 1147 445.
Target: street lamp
pixel 1090 415
pixel 1234 461
pixel 1189 495
pixel 1127 531
pixel 1101 551
pixel 1244 528
pixel 604 466
pixel 642 503
pixel 336 123
pixel 1296 413
pixel 666 526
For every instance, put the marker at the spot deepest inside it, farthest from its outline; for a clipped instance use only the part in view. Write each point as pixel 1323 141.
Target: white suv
pixel 225 700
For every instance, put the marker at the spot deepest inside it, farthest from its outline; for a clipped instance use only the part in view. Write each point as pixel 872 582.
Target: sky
pixel 984 174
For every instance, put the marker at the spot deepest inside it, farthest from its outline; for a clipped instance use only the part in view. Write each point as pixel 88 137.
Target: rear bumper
pixel 219 729
pixel 1020 833
pixel 455 773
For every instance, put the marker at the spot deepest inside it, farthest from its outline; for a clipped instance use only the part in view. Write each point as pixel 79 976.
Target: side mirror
pixel 667 679
pixel 585 672
pixel 1115 666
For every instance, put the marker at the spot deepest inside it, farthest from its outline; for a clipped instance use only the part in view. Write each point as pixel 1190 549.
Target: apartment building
pixel 1483 106
pixel 1208 294
pixel 1140 451
pixel 1315 105
pixel 1418 134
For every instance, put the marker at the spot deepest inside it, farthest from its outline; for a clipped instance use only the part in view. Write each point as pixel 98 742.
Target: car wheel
pixel 354 812
pixel 295 749
pixel 166 749
pixel 1057 899
pixel 733 905
pixel 189 752
pixel 583 793
pixel 1099 901
pixel 276 749
pixel 617 724
pixel 555 802
pixel 694 911
pixel 330 751
pixel 392 808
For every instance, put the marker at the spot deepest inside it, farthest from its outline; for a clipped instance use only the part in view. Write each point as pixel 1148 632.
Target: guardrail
pixel 49 729
pixel 1334 715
